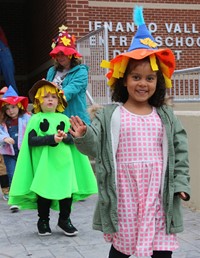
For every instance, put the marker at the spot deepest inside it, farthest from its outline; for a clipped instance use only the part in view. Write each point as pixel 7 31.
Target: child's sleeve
pixel 69 139
pixel 34 140
pixel 181 171
pixel 3 134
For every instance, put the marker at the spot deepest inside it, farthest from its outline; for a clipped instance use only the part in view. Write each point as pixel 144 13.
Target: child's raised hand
pixel 9 140
pixel 78 127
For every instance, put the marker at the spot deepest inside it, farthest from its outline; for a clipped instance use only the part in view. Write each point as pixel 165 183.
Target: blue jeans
pixel 7 66
pixel 10 162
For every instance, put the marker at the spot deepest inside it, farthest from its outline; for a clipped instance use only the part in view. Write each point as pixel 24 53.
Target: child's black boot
pixel 43 227
pixel 66 226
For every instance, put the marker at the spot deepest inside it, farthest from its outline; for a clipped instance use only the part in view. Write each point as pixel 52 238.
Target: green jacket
pixel 101 140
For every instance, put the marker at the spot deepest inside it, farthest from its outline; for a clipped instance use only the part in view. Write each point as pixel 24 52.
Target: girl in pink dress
pixel 141 155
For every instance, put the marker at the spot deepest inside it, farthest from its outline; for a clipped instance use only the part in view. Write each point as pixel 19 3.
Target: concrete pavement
pixel 19 238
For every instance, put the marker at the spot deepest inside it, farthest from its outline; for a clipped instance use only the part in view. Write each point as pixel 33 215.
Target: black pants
pixel 156 254
pixel 4 182
pixel 44 208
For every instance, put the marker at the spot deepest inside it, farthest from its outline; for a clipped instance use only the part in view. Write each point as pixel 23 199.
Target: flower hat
pixel 64 43
pixel 143 45
pixel 11 97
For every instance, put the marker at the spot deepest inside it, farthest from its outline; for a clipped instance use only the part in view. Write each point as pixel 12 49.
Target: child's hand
pixel 9 140
pixel 62 134
pixel 183 196
pixel 78 127
pixel 59 136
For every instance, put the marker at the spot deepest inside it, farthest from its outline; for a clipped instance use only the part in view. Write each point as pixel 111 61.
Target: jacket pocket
pixel 177 216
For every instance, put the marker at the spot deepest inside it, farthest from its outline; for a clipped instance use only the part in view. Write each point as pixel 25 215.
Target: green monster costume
pixel 55 171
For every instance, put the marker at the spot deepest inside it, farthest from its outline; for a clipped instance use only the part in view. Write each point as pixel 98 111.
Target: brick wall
pixel 175 26
pixel 43 27
pixel 178 23
pixel 77 17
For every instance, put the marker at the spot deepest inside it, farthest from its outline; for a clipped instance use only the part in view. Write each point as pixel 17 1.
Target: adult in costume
pixel 70 74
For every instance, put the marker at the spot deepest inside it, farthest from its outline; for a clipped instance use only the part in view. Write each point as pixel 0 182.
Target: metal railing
pixel 94 48
pixel 186 85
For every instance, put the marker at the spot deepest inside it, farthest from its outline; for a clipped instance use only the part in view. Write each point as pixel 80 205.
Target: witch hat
pixel 143 45
pixel 12 98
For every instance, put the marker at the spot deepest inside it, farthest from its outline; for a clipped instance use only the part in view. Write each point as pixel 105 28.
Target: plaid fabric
pixel 139 174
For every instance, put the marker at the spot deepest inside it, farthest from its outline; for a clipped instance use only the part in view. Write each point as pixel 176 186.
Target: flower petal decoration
pixel 65 43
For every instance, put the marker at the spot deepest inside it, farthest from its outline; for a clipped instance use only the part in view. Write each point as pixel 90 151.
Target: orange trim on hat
pixel 142 46
pixel 118 64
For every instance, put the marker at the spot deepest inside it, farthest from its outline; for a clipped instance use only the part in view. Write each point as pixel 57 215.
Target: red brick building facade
pixel 31 25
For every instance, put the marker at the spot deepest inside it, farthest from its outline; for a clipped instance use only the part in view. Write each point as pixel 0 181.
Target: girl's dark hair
pixel 5 117
pixel 120 93
pixel 74 62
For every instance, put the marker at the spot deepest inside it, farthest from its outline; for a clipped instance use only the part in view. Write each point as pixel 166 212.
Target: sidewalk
pixel 19 238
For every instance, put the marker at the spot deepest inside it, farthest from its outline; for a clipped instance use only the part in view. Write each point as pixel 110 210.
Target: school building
pixel 30 26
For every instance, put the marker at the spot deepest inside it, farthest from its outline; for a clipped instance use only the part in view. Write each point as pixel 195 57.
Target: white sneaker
pixel 5 197
pixel 14 208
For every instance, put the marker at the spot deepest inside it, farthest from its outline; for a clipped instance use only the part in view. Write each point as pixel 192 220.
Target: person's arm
pixel 77 84
pixel 34 140
pixel 50 74
pixel 68 139
pixel 181 171
pixel 3 134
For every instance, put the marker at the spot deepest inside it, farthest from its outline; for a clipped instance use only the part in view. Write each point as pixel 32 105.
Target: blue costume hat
pixel 142 46
pixel 142 38
pixel 10 93
pixel 11 97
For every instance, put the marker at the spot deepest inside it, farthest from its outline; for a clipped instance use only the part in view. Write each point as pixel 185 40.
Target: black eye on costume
pixel 44 126
pixel 61 126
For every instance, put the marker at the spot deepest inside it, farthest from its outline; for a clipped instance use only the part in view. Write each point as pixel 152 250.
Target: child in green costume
pixel 50 171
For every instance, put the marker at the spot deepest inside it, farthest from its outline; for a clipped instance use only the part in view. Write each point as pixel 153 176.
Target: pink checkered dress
pixel 139 174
